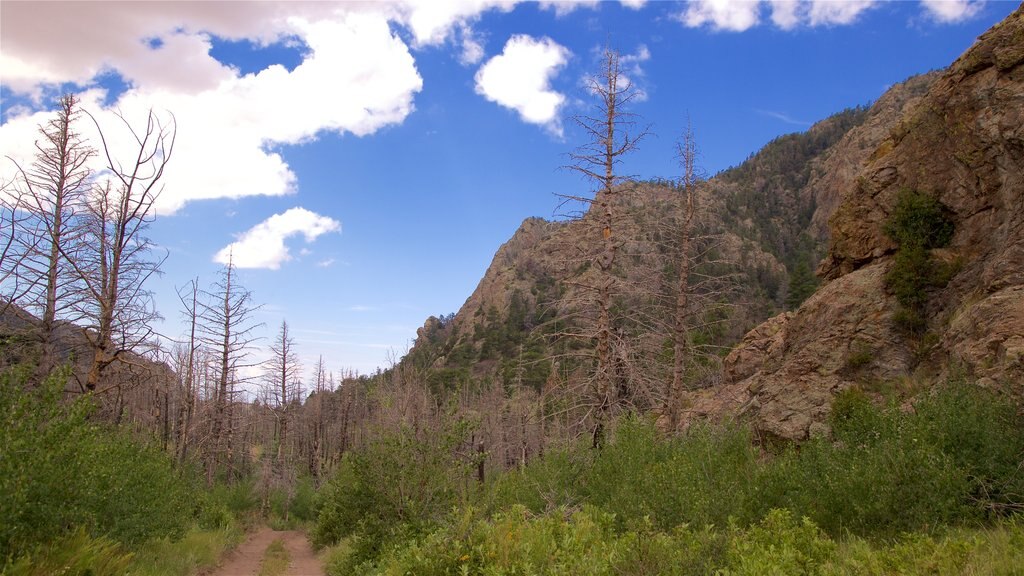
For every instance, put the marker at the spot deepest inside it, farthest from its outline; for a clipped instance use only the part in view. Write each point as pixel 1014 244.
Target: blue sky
pixel 365 161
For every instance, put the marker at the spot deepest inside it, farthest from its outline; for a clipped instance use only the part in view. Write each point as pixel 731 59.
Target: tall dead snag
pixel 226 329
pixel 11 218
pixel 186 368
pixel 117 258
pixel 51 193
pixel 316 452
pixel 607 130
pixel 281 376
pixel 686 150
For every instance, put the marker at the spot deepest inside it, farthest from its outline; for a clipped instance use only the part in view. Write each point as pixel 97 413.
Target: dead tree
pixel 687 186
pixel 608 140
pixel 117 259
pixel 282 372
pixel 186 363
pixel 316 451
pixel 51 193
pixel 226 329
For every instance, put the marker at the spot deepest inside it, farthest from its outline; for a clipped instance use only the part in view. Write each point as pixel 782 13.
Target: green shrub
pixel 917 224
pixel 673 481
pixel 397 487
pixel 779 544
pixel 919 219
pixel 198 550
pixel 59 471
pixel 875 478
pixel 74 553
pixel 983 435
pixel 543 485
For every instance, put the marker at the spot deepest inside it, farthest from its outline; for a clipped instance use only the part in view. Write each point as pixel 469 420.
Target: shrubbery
pixel 396 488
pixel 711 496
pixel 79 497
pixel 59 471
pixel 917 224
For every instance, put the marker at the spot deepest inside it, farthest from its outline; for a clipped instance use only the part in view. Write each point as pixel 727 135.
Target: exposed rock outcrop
pixel 963 143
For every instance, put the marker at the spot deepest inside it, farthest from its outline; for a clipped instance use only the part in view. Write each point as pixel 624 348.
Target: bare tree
pixel 281 376
pixel 186 362
pixel 316 451
pixel 611 134
pixel 689 180
pixel 12 220
pixel 118 258
pixel 227 330
pixel 51 193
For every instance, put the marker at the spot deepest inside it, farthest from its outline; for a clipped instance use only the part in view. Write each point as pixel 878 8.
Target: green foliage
pixel 983 435
pixel 709 501
pixel 956 458
pixel 672 481
pixel 917 224
pixel 59 471
pixel 74 553
pixel 802 283
pixel 543 485
pixel 198 550
pixel 225 504
pixel 779 544
pixel 400 485
pixel 275 559
pixel 919 220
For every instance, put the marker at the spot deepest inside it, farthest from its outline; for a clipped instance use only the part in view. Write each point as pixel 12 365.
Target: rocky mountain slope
pixel 961 143
pixel 765 217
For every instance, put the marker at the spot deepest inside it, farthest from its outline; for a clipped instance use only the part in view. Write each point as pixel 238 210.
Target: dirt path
pixel 245 560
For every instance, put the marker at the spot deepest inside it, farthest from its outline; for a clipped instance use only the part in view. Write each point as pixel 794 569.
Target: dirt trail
pixel 245 560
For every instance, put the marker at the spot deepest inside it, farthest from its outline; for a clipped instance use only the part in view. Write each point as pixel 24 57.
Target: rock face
pixel 768 213
pixel 962 142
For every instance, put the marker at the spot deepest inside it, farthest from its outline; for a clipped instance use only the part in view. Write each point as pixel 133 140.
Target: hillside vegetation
pixel 811 363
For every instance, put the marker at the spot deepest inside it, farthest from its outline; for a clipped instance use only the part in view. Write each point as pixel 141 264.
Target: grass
pixel 199 549
pixel 275 559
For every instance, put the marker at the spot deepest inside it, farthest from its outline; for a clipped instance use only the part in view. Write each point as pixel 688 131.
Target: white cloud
pixel 731 15
pixel 830 12
pixel 472 51
pixel 431 21
pixel 741 15
pixel 563 7
pixel 520 78
pixel 785 13
pixel 949 11
pixel 230 124
pixel 263 245
pixel 326 263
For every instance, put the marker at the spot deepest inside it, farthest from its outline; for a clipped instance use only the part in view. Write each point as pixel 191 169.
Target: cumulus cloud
pixel 731 15
pixel 741 15
pixel 520 78
pixel 229 124
pixel 472 49
pixel 563 7
pixel 263 245
pixel 950 11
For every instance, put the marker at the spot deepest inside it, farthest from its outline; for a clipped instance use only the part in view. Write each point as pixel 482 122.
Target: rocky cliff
pixel 962 143
pixel 766 216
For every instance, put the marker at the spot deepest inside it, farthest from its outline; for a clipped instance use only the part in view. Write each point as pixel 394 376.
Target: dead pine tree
pixel 51 194
pixel 282 372
pixel 226 329
pixel 316 450
pixel 611 133
pixel 117 259
pixel 686 152
pixel 186 368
